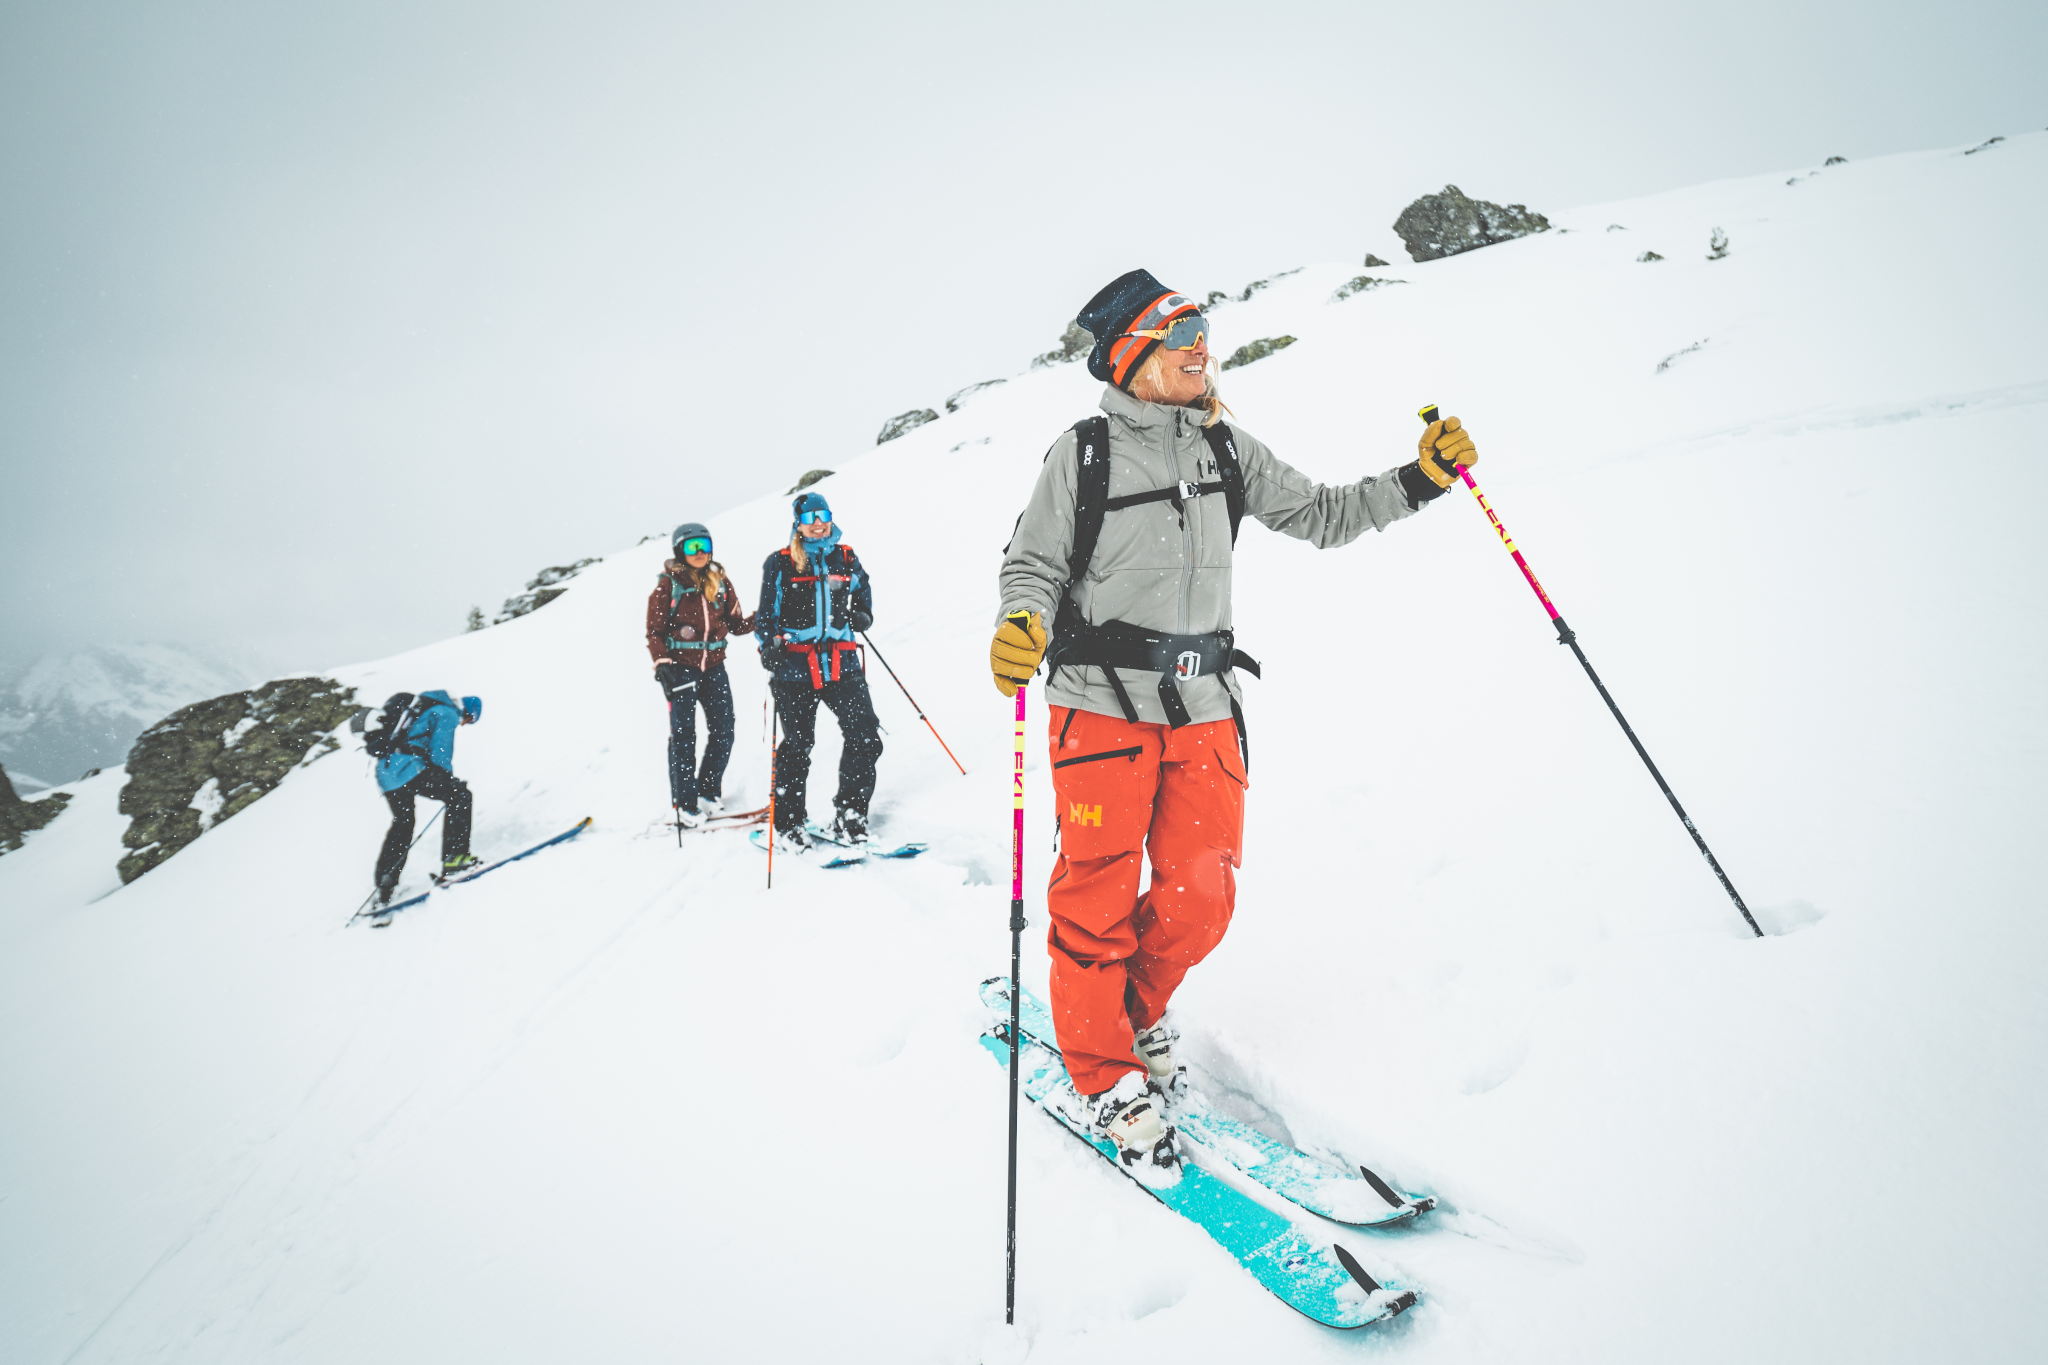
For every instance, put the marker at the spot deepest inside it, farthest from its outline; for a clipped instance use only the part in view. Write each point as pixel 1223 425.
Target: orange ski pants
pixel 1117 956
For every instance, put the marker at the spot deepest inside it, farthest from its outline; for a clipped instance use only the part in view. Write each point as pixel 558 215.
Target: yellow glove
pixel 1018 647
pixel 1444 444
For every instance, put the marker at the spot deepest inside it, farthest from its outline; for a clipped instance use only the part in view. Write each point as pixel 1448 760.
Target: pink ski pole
pixel 1016 986
pixel 1565 636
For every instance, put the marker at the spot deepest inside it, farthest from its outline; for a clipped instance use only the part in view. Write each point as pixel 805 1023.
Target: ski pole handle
pixel 1429 413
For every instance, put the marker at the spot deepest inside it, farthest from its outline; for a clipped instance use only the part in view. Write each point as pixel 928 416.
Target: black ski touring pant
pixel 435 784
pixel 860 735
pixel 687 781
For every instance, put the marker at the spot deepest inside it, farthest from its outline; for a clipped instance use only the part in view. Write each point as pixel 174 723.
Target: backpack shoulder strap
pixel 1223 445
pixel 1091 492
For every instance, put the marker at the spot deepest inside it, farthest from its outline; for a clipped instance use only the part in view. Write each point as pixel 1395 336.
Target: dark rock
pixel 1372 260
pixel 1717 245
pixel 1668 361
pixel 1359 286
pixel 1216 298
pixel 18 817
pixel 1983 146
pixel 1836 161
pixel 1075 343
pixel 810 477
pixel 1438 225
pixel 905 421
pixel 1649 256
pixel 1256 350
pixel 543 588
pixel 212 760
pixel 1616 227
pixel 476 619
pixel 957 400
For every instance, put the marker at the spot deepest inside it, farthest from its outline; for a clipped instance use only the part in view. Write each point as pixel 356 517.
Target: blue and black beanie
pixel 1131 302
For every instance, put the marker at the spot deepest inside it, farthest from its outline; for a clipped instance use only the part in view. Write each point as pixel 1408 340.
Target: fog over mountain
pixel 79 710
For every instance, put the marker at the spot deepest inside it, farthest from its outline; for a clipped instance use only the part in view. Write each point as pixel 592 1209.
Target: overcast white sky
pixel 321 322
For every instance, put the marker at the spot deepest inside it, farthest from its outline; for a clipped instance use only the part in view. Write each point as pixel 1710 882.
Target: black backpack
pixel 1092 501
pixel 387 736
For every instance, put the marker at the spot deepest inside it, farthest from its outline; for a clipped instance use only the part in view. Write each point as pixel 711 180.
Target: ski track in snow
pixel 621 1102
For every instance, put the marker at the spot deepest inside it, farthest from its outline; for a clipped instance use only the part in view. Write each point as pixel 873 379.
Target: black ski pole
pixel 1565 636
pixel 914 706
pixel 1016 1000
pixel 408 853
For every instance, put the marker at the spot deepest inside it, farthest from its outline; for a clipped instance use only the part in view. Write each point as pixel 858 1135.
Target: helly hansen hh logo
pixel 1085 815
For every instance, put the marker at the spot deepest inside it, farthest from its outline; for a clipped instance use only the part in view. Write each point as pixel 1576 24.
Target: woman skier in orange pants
pixel 1126 547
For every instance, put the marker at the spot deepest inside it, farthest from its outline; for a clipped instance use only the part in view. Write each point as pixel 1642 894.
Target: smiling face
pixel 1177 378
pixel 816 530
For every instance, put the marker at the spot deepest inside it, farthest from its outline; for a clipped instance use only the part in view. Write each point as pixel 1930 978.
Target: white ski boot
pixel 1154 1047
pixel 689 817
pixel 1129 1115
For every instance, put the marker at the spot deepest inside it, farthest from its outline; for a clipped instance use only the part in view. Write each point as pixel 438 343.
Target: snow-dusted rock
pixel 1446 224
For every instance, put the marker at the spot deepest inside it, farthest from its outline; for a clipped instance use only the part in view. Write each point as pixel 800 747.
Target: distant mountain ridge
pixel 83 709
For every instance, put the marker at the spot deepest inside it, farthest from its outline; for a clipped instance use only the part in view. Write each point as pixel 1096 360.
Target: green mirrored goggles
pixel 697 545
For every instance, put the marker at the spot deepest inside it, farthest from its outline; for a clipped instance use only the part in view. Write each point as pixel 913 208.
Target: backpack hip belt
pixel 1119 644
pixel 830 651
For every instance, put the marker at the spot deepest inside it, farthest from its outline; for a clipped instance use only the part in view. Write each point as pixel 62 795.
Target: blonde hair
pixel 709 580
pixel 1152 372
pixel 797 551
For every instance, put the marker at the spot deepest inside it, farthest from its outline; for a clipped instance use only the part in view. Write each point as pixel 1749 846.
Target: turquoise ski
pixel 1316 1278
pixel 1363 1200
pixel 848 855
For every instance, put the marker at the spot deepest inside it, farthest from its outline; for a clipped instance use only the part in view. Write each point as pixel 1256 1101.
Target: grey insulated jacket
pixel 1157 569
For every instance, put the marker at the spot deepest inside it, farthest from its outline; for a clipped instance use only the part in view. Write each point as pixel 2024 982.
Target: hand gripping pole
pixel 1565 636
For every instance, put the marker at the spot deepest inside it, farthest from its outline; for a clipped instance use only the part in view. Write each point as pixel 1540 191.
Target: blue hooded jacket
pixel 432 734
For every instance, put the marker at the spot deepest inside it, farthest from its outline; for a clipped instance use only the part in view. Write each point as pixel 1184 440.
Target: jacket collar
pixel 1157 420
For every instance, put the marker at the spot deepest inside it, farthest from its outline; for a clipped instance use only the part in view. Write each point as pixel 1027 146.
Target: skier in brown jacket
pixel 691 611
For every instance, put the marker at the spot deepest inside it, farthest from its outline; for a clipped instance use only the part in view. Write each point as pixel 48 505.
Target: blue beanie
pixel 473 708
pixel 808 502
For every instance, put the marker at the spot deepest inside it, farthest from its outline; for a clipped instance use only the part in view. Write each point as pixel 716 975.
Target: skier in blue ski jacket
pixel 815 599
pixel 422 763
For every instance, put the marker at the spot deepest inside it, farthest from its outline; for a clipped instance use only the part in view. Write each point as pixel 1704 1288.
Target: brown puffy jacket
pixel 682 627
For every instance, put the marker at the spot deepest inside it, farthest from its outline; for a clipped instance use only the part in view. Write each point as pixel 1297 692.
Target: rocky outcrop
pixel 1360 286
pixel 958 400
pixel 1372 260
pixel 1217 298
pixel 18 817
pixel 1647 257
pixel 1075 343
pixel 1438 225
pixel 1717 246
pixel 904 421
pixel 543 588
pixel 810 477
pixel 1836 161
pixel 212 760
pixel 1256 350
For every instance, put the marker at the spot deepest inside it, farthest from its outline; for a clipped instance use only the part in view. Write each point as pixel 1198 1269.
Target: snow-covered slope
pixel 70 712
pixel 622 1103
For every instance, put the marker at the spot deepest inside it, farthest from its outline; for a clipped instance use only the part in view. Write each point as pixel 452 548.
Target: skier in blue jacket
pixel 815 598
pixel 423 764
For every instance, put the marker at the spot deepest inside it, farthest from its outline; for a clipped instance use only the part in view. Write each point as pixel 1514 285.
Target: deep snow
pixel 620 1103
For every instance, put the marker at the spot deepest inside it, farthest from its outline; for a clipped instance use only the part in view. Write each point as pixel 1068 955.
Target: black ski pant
pixel 860 735
pixel 687 781
pixel 435 784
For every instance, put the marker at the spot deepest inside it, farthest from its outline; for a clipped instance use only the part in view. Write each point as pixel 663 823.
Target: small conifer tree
pixel 476 618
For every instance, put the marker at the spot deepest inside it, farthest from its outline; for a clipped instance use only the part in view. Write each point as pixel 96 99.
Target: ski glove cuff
pixel 1444 445
pixel 1017 650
